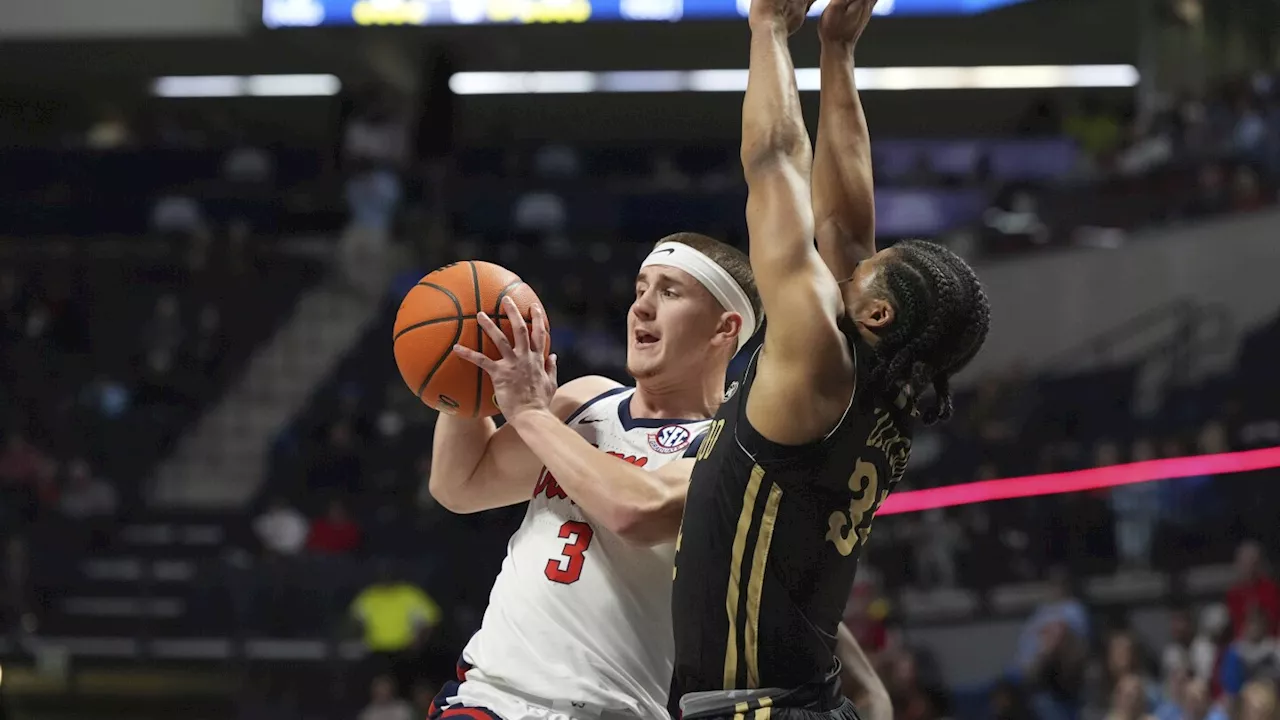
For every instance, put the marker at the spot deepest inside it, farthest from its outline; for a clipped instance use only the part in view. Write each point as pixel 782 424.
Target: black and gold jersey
pixel 770 541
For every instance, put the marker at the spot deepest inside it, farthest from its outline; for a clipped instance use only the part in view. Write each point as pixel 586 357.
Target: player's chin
pixel 642 368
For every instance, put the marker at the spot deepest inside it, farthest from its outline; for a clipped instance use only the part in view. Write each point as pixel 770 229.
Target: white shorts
pixel 475 700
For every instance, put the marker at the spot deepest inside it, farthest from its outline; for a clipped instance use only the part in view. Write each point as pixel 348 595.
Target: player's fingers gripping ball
pixel 440 312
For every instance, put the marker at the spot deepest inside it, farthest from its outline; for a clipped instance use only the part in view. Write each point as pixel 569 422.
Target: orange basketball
pixel 440 312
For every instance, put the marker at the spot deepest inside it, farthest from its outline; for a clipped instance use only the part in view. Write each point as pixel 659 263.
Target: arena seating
pixel 113 347
pixel 57 192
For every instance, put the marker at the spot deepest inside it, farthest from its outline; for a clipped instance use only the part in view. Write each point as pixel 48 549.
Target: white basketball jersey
pixel 578 615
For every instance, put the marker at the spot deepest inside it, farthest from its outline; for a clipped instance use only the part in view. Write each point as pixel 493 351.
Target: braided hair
pixel 940 321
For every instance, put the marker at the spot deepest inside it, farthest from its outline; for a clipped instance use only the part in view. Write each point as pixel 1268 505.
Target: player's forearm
pixel 773 130
pixel 631 502
pixel 843 194
pixel 457 450
pixel 859 680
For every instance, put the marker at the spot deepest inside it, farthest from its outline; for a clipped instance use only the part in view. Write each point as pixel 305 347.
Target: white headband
pixel 714 278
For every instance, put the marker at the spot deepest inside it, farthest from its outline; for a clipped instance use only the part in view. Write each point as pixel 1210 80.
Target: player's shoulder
pixel 580 392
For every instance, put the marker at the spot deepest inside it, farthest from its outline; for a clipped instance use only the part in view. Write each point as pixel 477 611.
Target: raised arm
pixel 843 198
pixel 776 156
pixel 803 346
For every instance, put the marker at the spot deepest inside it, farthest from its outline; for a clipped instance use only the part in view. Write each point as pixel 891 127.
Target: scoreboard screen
pixel 316 13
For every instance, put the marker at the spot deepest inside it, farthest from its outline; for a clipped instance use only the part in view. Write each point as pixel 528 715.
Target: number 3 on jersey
pixel 567 568
pixel 848 529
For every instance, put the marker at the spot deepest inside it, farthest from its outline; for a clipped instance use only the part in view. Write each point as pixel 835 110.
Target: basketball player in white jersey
pixel 579 621
pixel 578 624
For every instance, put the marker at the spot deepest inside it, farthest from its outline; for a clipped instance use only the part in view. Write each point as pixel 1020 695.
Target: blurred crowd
pixel 1180 159
pixel 1219 661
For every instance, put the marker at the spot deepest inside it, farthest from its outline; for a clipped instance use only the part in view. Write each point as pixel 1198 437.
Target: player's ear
pixel 875 313
pixel 729 329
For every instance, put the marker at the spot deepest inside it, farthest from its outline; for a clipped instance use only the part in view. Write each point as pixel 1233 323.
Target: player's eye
pixel 669 293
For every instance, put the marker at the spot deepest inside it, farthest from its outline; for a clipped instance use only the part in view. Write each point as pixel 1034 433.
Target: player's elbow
pixel 450 493
pixel 874 704
pixel 767 151
pixel 648 524
pixel 645 529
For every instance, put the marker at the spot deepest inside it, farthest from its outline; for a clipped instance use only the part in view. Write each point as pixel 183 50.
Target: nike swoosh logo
pixel 588 422
pixel 662 251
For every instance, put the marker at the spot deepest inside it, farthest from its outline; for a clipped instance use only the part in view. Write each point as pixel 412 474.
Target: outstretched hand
pixel 524 378
pixel 844 20
pixel 783 13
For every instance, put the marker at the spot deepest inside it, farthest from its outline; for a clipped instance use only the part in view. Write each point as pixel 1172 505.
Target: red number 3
pixel 568 567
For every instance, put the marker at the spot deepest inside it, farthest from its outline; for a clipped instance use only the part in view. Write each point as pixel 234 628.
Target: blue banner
pixel 315 13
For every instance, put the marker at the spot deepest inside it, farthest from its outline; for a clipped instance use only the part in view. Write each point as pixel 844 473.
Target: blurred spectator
pixel 1253 589
pixel 282 530
pixel 914 689
pixel 1177 654
pixel 1253 656
pixel 383 702
pixel 1055 676
pixel 1061 607
pixel 1128 700
pixel 1258 701
pixel 397 619
pixel 1206 650
pixel 375 151
pixel 335 533
pixel 1122 665
pixel 1250 130
pixel 1171 702
pixel 1137 510
pixel 1198 703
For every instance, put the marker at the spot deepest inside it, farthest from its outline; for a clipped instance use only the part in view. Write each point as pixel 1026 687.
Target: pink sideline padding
pixel 1080 480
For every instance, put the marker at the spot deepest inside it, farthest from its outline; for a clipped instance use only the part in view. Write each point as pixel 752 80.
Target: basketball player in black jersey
pixel 818 431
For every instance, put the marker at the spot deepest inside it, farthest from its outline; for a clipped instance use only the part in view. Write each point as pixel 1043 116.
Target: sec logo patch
pixel 670 439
